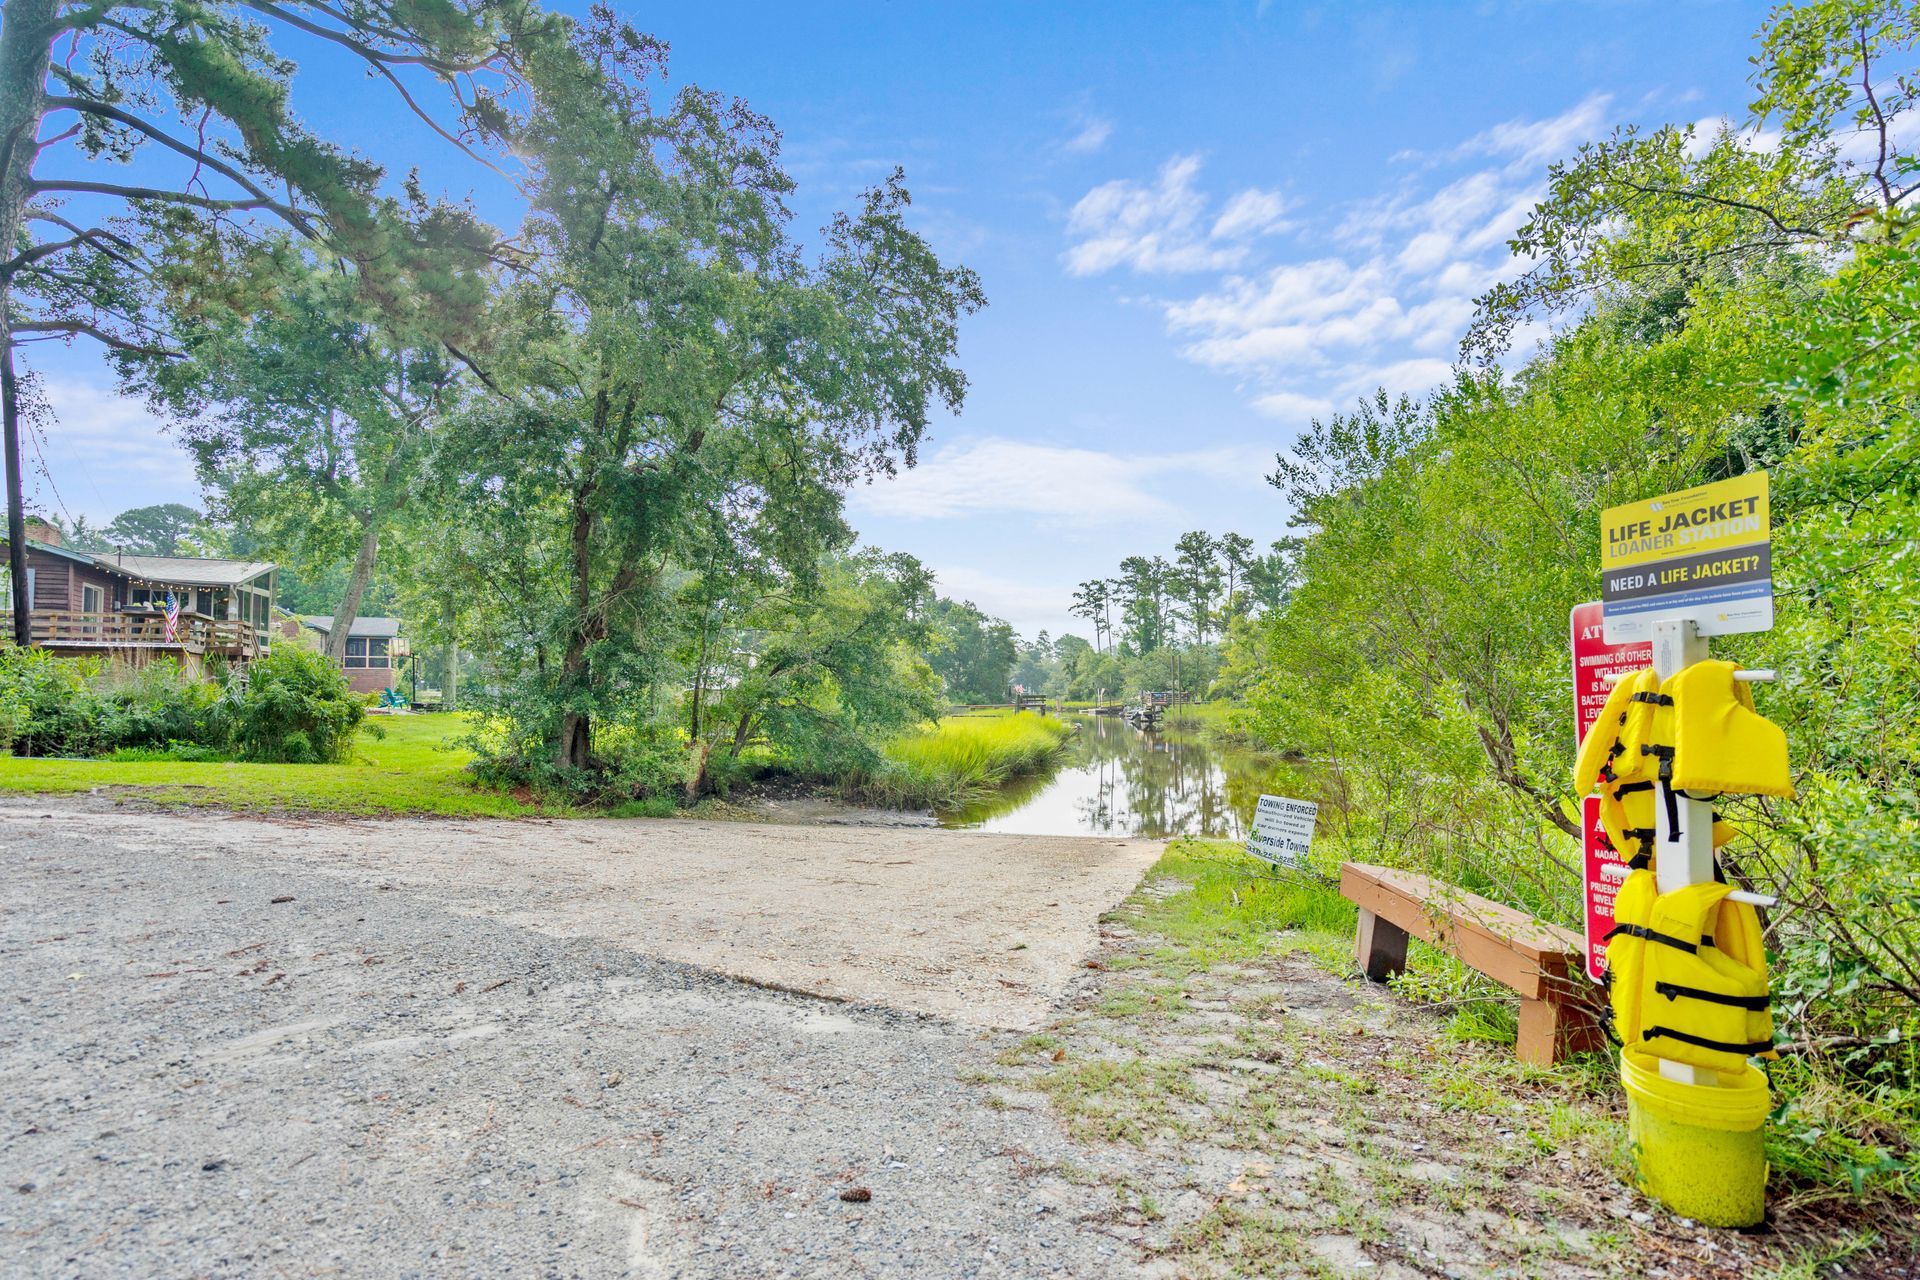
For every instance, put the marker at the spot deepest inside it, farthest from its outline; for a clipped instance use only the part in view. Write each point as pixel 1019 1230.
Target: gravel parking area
pixel 236 1047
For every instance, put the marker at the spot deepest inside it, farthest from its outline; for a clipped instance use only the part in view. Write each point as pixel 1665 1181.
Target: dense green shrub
pixel 156 704
pixel 1420 660
pixel 49 705
pixel 297 709
pixel 643 763
pixel 294 705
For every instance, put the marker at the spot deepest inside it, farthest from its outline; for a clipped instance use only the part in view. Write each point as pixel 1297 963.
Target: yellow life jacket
pixel 1627 812
pixel 1700 1002
pixel 1720 743
pixel 1646 735
pixel 1686 970
pixel 1627 952
pixel 1601 747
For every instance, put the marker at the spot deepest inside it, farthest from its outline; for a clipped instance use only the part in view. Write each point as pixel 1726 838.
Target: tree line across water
pixel 1160 622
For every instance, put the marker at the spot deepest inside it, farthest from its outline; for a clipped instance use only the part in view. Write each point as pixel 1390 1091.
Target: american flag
pixel 173 616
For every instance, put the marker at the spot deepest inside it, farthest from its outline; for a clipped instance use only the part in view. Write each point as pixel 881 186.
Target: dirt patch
pixel 1274 1118
pixel 806 806
pixel 985 929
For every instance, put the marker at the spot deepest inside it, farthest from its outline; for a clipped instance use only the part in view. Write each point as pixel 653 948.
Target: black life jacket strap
pixel 1757 1004
pixel 1722 1046
pixel 1657 699
pixel 1649 935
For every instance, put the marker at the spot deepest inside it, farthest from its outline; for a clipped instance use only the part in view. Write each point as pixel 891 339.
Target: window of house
pixel 364 651
pixel 92 599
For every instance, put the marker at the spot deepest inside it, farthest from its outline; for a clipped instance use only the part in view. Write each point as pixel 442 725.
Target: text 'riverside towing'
pixel 1282 831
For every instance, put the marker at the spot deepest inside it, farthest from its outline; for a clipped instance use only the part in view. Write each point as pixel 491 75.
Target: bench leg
pixel 1380 947
pixel 1550 1031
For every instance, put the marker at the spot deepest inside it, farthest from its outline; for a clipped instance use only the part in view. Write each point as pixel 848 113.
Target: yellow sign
pixel 1712 517
pixel 1702 554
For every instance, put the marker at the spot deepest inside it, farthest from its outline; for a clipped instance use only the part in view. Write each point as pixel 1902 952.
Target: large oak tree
pixel 668 350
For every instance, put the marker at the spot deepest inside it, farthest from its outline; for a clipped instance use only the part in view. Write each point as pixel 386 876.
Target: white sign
pixel 1282 830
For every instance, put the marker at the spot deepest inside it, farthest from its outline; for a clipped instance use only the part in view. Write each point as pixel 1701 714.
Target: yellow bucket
pixel 1699 1149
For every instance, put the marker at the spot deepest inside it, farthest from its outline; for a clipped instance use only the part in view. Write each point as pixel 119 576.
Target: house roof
pixel 372 628
pixel 188 571
pixel 47 547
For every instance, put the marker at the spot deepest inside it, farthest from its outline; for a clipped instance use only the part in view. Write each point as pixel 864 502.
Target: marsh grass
pixel 1221 722
pixel 963 758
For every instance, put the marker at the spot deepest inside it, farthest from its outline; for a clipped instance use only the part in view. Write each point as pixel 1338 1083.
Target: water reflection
pixel 1120 781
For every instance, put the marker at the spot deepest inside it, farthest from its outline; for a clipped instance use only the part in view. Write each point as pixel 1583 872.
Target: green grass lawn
pixel 418 767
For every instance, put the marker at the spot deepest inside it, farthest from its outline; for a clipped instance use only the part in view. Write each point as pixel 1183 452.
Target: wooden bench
pixel 1542 962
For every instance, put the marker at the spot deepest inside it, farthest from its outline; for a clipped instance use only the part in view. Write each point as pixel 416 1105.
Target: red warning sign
pixel 1594 661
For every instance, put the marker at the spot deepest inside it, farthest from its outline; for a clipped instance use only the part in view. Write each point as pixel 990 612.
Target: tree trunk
pixel 697 781
pixel 693 702
pixel 25 45
pixel 450 697
pixel 740 732
pixel 574 750
pixel 16 503
pixel 343 617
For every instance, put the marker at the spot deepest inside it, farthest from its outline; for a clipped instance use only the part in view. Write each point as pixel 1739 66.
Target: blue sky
pixel 1198 226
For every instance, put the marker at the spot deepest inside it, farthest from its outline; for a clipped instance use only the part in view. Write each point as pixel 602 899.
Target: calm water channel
pixel 1120 781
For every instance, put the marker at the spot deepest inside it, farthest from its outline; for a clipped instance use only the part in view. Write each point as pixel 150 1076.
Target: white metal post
pixel 1683 852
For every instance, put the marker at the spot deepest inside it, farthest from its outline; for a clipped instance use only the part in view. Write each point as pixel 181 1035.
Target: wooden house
pixel 117 604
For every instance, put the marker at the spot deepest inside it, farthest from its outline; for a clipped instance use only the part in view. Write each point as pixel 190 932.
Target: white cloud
pixel 1062 486
pixel 1535 143
pixel 1253 212
pixel 1401 377
pixel 1028 606
pixel 107 452
pixel 1293 407
pixel 1149 228
pixel 1391 300
pixel 1294 292
pixel 1092 136
pixel 1162 228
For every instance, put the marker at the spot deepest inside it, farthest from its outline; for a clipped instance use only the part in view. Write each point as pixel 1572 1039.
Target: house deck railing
pixel 52 630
